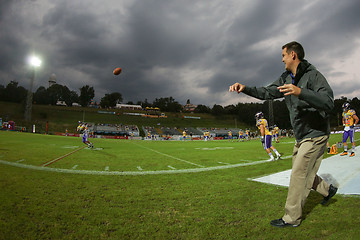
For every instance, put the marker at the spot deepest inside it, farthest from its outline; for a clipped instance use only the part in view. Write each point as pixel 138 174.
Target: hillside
pixel 60 118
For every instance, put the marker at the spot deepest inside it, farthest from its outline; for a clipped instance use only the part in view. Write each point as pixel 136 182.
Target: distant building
pixel 60 103
pixel 189 107
pixel 52 79
pixel 128 106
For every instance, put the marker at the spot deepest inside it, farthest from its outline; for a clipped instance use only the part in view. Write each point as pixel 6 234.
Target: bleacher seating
pixel 192 130
pixel 169 131
pixel 199 131
pixel 150 130
pixel 115 129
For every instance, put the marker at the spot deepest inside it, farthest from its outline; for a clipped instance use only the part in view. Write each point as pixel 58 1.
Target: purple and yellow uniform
pixel 82 128
pixel 276 130
pixel 267 137
pixel 206 135
pixel 348 120
pixel 241 134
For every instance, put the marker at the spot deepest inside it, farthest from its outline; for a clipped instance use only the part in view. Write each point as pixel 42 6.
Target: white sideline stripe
pixel 91 172
pixel 171 167
pixel 74 167
pixel 167 155
pixel 21 160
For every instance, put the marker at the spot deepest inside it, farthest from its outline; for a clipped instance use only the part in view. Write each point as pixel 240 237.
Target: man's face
pixel 287 59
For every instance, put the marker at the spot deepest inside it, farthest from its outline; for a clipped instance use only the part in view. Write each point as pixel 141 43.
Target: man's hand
pixel 262 139
pixel 237 87
pixel 290 89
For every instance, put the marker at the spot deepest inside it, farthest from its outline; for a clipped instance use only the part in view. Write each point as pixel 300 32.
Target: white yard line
pixel 61 157
pixel 167 155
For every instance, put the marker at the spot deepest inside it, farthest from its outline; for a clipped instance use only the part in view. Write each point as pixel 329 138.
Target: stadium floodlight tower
pixel 34 63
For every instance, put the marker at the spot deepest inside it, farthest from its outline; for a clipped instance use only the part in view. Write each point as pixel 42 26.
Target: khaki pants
pixel 307 156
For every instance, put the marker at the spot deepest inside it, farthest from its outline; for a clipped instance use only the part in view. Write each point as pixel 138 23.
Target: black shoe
pixel 332 192
pixel 281 223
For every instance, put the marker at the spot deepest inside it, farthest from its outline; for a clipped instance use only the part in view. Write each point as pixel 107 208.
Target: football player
pixel 349 121
pixel 184 135
pixel 241 135
pixel 230 136
pixel 262 124
pixel 82 128
pixel 247 134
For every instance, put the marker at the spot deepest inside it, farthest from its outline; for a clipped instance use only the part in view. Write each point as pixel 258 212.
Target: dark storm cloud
pixel 184 49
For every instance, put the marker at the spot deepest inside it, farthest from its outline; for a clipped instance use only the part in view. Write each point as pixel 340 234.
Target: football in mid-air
pixel 117 71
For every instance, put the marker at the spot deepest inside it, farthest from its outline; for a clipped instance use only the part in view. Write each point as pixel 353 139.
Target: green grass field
pixel 53 188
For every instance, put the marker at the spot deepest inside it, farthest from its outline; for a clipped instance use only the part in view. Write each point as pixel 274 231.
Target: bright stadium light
pixel 34 62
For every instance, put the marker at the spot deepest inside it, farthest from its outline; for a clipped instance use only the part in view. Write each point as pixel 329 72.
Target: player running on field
pixel 82 128
pixel 262 124
pixel 349 121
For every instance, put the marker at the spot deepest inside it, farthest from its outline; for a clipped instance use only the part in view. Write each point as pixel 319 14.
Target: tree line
pixel 244 112
pixel 56 92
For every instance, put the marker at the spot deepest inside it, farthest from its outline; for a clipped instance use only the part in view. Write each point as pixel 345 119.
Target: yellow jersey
pixel 263 122
pixel 81 128
pixel 276 129
pixel 348 117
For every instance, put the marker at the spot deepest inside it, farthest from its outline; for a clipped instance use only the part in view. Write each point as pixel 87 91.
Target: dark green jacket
pixel 309 113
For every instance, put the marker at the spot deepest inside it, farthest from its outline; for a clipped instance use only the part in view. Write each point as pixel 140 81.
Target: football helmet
pixel 346 106
pixel 259 115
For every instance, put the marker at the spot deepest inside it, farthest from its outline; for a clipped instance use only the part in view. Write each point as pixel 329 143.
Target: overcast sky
pixel 186 49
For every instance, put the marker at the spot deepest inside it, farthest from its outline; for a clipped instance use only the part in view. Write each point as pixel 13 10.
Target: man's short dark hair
pixel 296 47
